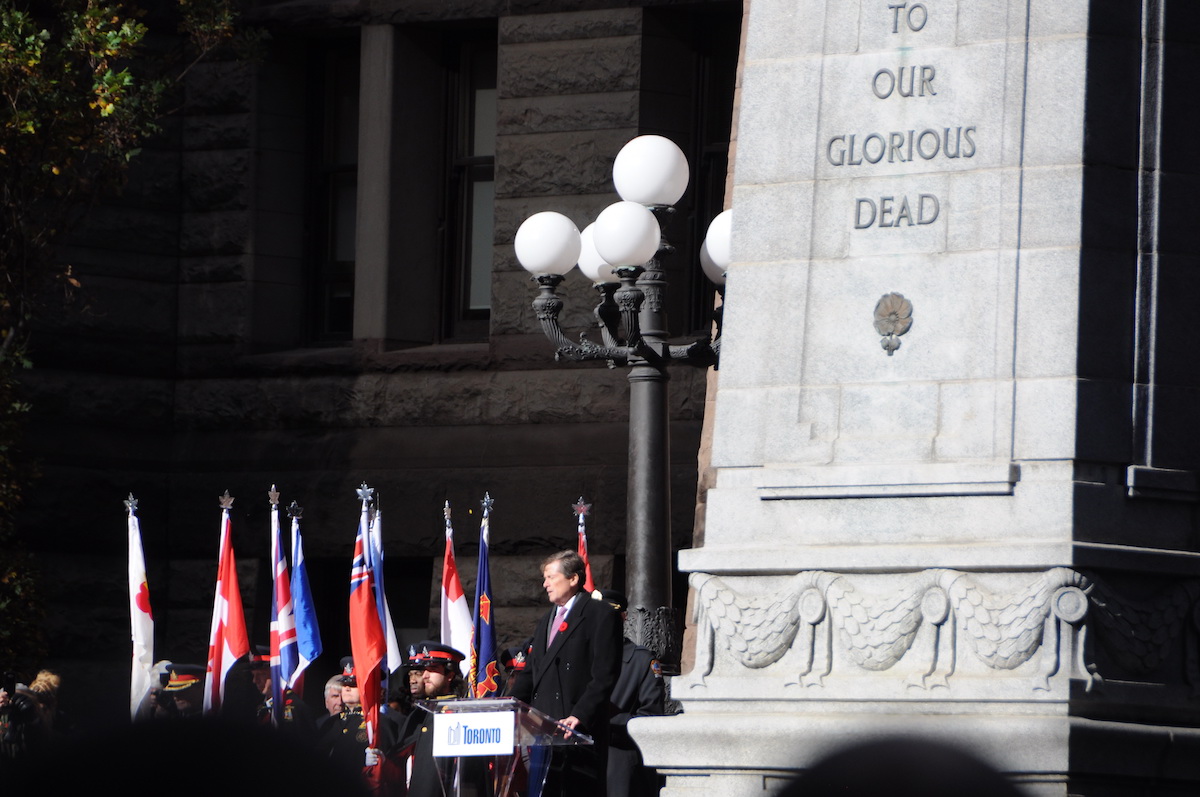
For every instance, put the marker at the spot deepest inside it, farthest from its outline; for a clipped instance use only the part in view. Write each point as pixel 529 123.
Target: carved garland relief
pixel 1002 630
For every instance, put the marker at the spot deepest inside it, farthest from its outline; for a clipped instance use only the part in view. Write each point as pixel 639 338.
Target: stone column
pixel 934 509
pixel 373 243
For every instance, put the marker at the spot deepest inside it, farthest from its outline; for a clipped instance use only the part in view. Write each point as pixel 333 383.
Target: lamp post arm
pixel 699 353
pixel 547 307
pixel 608 315
pixel 586 350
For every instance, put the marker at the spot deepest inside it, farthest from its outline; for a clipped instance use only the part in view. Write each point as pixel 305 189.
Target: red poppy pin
pixel 562 626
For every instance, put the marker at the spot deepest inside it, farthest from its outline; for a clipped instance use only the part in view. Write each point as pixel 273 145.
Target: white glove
pixel 373 756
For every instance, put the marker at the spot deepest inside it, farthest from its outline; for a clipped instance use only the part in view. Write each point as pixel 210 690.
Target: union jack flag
pixel 283 621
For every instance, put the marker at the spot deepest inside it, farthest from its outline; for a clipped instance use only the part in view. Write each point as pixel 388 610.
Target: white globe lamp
pixel 547 243
pixel 651 170
pixel 715 252
pixel 626 234
pixel 593 266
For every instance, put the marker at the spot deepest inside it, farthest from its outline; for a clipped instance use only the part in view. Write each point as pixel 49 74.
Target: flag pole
pixel 484 671
pixel 368 647
pixel 393 659
pixel 141 619
pixel 308 633
pixel 581 510
pixel 228 641
pixel 283 622
pixel 456 619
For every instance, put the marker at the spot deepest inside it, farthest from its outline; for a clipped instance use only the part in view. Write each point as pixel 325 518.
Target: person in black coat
pixel 342 738
pixel 441 679
pixel 571 670
pixel 640 692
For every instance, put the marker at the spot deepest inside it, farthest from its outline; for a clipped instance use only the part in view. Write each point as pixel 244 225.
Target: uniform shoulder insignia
pixel 656 668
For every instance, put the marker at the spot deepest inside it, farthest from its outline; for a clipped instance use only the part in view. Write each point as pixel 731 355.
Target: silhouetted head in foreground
pixel 900 768
pixel 185 757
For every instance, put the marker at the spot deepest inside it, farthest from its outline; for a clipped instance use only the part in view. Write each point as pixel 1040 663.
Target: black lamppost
pixel 620 253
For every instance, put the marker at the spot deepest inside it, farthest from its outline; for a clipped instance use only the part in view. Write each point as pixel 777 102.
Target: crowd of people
pixel 576 667
pixel 29 714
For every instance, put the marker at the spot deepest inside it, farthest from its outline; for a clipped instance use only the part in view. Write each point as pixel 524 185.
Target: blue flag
pixel 308 634
pixel 485 673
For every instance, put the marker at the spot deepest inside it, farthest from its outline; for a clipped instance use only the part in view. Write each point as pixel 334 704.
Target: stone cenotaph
pixel 956 451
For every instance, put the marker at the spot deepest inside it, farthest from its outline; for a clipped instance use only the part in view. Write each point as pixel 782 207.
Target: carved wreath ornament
pixel 1002 630
pixel 893 317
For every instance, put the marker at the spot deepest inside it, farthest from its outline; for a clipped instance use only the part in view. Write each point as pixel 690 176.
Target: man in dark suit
pixel 640 692
pixel 572 667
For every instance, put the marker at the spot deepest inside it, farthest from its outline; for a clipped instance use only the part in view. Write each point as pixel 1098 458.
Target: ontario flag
pixel 581 510
pixel 367 643
pixel 228 641
pixel 283 620
pixel 141 621
pixel 308 633
pixel 484 670
pixel 456 613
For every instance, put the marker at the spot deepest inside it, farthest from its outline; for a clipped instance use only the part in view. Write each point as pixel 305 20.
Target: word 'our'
pixel 885 82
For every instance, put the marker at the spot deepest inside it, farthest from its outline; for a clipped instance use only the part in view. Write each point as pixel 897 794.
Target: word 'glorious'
pixel 901 146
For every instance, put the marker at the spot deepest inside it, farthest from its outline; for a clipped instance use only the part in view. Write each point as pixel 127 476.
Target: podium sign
pixel 516 738
pixel 473 734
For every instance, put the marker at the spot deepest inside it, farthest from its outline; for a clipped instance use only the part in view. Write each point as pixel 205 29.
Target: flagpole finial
pixel 273 495
pixel 226 500
pixel 446 511
pixel 295 511
pixel 486 503
pixel 366 494
pixel 581 508
pixel 131 505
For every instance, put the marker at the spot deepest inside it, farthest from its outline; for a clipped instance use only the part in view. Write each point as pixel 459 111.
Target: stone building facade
pixel 954 452
pixel 310 282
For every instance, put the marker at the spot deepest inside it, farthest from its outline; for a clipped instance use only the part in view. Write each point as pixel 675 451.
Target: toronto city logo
pixel 459 734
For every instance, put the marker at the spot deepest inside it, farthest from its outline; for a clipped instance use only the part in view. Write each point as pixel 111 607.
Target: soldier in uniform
pixel 640 692
pixel 296 718
pixel 513 660
pixel 185 688
pixel 343 736
pixel 441 679
pixel 333 695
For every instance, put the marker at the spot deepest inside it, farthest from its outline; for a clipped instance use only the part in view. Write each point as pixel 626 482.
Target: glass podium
pixel 494 747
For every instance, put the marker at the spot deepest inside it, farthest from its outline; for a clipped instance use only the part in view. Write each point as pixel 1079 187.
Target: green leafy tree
pixel 80 93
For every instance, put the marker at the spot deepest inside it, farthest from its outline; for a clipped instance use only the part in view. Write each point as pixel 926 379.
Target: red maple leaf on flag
pixel 143 599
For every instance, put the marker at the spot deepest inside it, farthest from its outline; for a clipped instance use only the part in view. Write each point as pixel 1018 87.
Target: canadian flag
pixel 228 641
pixel 457 626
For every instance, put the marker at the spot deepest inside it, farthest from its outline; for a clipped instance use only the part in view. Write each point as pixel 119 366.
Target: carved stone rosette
pixel 829 625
